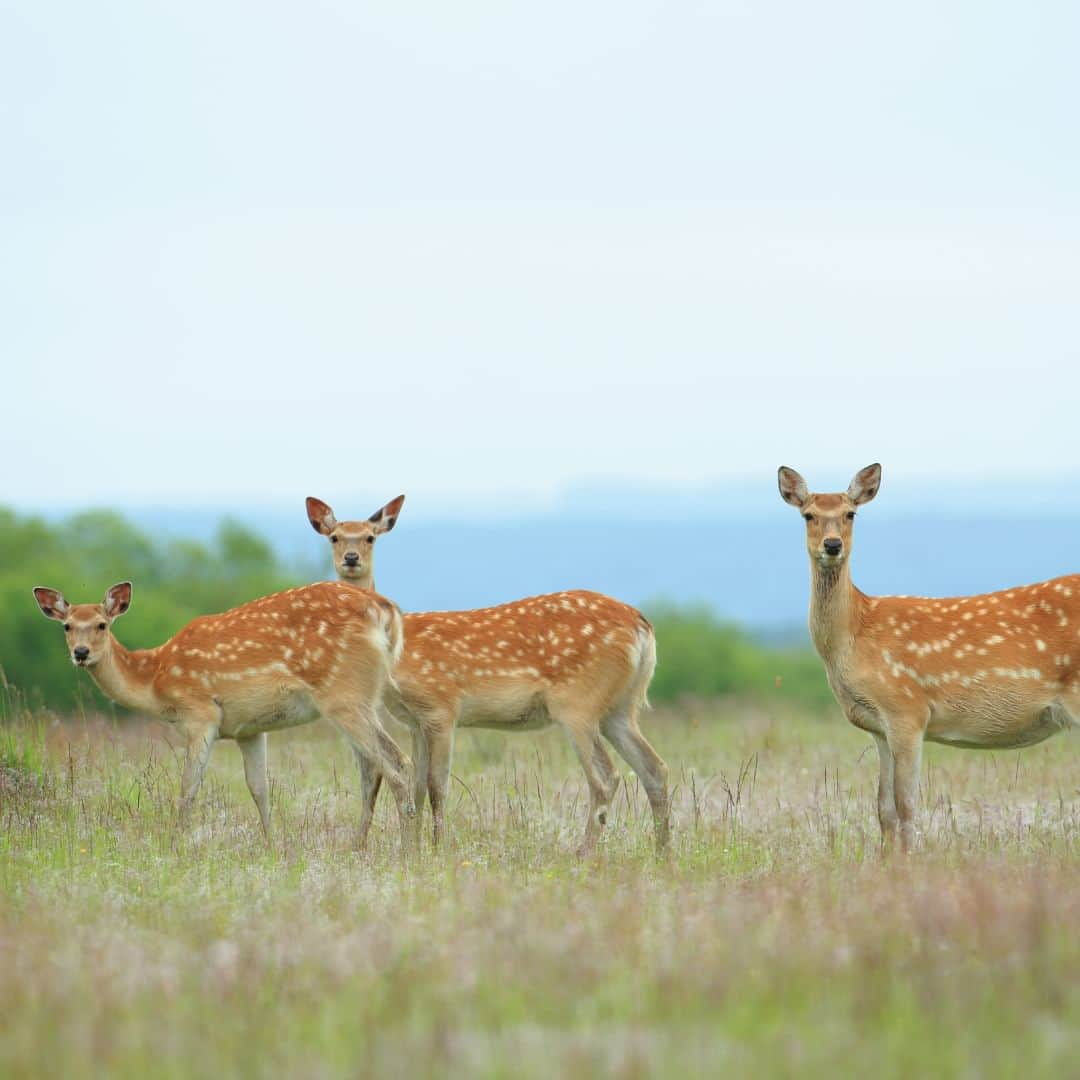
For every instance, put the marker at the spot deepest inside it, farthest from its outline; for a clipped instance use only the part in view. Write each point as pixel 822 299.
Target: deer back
pixel 309 635
pixel 574 643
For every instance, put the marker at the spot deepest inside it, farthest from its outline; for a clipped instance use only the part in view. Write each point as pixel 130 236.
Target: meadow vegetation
pixel 773 940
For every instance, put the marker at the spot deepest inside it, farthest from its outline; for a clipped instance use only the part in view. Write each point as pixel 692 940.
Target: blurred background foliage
pixel 175 580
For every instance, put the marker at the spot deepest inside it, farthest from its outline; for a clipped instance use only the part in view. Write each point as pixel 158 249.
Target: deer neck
pixel 127 677
pixel 365 582
pixel 835 611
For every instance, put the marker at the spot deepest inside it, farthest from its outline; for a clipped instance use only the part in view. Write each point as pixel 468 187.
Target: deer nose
pixel 833 546
pixel 352 559
pixel 80 652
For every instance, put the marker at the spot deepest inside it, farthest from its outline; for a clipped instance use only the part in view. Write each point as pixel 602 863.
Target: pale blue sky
pixel 498 250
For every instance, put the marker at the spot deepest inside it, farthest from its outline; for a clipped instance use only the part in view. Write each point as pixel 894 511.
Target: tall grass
pixel 773 940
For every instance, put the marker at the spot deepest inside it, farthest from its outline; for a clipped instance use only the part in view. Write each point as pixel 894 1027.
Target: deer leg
pixel 439 743
pixel 362 727
pixel 421 769
pixel 601 777
pixel 403 792
pixel 421 755
pixel 610 779
pixel 886 793
pixel 200 743
pixel 254 752
pixel 907 754
pixel 622 731
pixel 370 784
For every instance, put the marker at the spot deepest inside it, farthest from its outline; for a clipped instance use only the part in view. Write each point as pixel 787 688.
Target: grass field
pixel 774 940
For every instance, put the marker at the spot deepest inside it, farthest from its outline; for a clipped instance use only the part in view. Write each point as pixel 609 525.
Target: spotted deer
pixel 577 659
pixel 283 660
pixel 995 671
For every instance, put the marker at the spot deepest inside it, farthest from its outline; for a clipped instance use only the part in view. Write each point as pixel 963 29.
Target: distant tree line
pixel 175 580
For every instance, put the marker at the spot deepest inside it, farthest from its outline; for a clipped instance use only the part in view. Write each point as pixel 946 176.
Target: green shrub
pixel 699 655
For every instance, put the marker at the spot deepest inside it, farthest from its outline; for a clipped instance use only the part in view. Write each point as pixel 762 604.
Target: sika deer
pixel 577 659
pixel 995 671
pixel 321 650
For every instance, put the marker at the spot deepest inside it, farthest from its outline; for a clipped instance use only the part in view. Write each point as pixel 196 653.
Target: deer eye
pixel 371 539
pixel 333 539
pixel 67 626
pixel 850 515
pixel 101 626
pixel 809 517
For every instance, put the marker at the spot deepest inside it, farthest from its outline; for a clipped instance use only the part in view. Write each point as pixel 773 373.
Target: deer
pixel 995 671
pixel 283 660
pixel 577 659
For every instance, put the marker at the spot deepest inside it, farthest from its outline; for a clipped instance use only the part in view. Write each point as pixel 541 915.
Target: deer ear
pixel 865 484
pixel 118 599
pixel 321 516
pixel 793 488
pixel 52 604
pixel 385 518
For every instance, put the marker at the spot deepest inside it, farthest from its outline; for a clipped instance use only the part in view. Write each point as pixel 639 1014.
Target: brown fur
pixel 324 649
pixel 578 659
pixel 994 671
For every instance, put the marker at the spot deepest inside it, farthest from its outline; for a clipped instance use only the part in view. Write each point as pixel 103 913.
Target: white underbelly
pixel 999 727
pixel 505 712
pixel 249 715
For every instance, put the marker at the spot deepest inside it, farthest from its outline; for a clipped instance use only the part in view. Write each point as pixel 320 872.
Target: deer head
pixel 829 518
pixel 353 542
pixel 86 626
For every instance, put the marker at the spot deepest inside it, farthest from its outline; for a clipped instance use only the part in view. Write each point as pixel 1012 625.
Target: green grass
pixel 774 940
